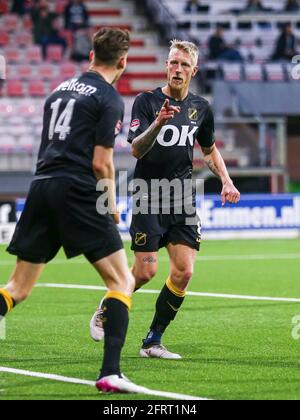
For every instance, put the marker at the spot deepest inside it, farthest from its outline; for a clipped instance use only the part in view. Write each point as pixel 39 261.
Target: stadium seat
pixel 68 70
pixel 23 38
pixel 68 36
pixel 55 53
pixel 12 55
pixel 3 7
pixel 25 71
pixel 10 23
pixel 37 88
pixel 142 59
pixel 232 72
pixel 275 72
pixel 55 83
pixel 15 88
pixel 7 143
pixel 4 38
pixel 34 54
pixel 253 72
pixel 47 71
pixel 60 6
pixel 25 142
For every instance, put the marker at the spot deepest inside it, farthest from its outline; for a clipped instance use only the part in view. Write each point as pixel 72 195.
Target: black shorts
pixel 61 212
pixel 151 232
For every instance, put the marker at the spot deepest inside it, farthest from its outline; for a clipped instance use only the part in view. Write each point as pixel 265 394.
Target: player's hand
pixel 167 113
pixel 230 194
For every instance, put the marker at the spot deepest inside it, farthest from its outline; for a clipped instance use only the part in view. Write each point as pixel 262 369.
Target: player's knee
pixel 183 277
pixel 143 277
pixel 124 282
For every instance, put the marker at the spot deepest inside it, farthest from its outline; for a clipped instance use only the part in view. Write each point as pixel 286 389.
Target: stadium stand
pixel 30 78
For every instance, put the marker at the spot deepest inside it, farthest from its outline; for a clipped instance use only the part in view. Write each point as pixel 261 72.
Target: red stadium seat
pixel 137 43
pixel 106 12
pixel 34 54
pixel 68 70
pixel 12 55
pixel 3 6
pixel 55 83
pixel 47 71
pixel 60 6
pixel 37 88
pixel 10 23
pixel 15 88
pixel 24 38
pixel 25 72
pixel 4 38
pixel 68 36
pixel 142 59
pixel 55 53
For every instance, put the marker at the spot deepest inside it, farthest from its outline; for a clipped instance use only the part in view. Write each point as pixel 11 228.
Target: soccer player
pixel 81 120
pixel 166 123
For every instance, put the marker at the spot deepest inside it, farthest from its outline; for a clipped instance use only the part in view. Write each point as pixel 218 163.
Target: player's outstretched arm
pixel 144 143
pixel 216 164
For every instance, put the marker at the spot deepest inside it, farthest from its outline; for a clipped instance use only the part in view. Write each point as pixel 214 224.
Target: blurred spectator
pixel 76 15
pixel 219 50
pixel 46 27
pixel 82 45
pixel 194 6
pixel 292 6
pixel 254 6
pixel 21 7
pixel 286 44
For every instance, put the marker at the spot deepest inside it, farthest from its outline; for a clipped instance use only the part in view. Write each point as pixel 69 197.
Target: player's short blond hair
pixel 188 47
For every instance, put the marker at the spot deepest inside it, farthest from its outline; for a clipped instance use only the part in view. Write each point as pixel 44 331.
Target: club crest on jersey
pixel 141 239
pixel 118 127
pixel 193 114
pixel 134 126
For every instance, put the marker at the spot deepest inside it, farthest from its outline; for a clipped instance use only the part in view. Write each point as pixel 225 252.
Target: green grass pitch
pixel 233 349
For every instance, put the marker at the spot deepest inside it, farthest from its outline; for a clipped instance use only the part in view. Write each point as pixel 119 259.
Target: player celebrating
pixel 81 120
pixel 165 125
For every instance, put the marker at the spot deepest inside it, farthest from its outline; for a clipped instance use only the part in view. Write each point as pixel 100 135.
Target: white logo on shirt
pixel 179 138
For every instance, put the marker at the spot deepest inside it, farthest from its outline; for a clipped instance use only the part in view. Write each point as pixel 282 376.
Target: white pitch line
pixel 208 258
pixel 58 378
pixel 155 292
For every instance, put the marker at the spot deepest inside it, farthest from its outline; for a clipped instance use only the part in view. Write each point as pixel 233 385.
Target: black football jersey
pixel 80 114
pixel 172 154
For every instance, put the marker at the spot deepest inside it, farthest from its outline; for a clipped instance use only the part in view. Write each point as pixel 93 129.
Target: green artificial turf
pixel 232 349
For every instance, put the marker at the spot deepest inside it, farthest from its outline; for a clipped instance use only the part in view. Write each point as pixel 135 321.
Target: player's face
pixel 181 70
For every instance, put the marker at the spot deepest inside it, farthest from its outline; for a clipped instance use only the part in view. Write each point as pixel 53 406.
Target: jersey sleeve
pixel 206 133
pixel 142 117
pixel 110 124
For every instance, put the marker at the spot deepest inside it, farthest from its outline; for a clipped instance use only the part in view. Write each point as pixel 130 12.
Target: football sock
pixel 116 306
pixel 167 306
pixel 6 302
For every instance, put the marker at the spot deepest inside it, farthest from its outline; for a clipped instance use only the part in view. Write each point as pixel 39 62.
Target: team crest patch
pixel 193 114
pixel 118 127
pixel 141 239
pixel 134 126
